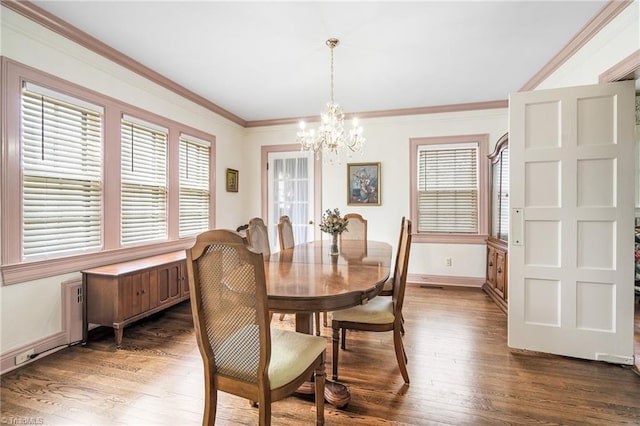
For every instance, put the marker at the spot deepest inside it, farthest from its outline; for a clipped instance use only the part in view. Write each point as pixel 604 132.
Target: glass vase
pixel 333 250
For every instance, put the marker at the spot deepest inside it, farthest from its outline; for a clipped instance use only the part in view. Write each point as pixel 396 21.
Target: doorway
pixel 291 186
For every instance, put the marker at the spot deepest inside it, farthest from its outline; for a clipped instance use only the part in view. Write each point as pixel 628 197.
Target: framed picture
pixel 363 184
pixel 232 180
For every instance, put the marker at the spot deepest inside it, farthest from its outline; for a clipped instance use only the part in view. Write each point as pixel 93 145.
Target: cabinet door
pixel 133 295
pixel 491 266
pixel 140 300
pixel 169 278
pixel 501 265
pixel 185 279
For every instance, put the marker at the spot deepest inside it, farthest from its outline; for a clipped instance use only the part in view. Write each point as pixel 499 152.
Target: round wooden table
pixel 306 279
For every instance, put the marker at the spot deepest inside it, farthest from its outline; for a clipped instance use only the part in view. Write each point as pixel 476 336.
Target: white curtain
pixel 291 195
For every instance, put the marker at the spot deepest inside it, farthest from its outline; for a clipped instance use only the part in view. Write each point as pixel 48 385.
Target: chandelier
pixel 331 137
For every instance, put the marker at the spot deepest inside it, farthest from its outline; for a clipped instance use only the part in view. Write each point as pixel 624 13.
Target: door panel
pixel 572 185
pixel 291 187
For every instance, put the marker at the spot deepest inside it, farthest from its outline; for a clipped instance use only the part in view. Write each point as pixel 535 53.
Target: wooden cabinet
pixel 496 285
pixel 119 294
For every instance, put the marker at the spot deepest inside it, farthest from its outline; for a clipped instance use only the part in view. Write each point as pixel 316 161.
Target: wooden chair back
pixel 388 287
pixel 258 236
pixel 400 273
pixel 285 233
pixel 231 318
pixel 356 228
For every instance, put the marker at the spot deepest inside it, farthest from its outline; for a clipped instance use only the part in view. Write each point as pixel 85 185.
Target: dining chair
pixel 387 289
pixel 380 313
pixel 258 236
pixel 356 231
pixel 287 241
pixel 241 354
pixel 285 233
pixel 356 228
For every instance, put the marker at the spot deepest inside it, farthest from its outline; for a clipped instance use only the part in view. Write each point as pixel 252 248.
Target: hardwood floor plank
pixel 461 370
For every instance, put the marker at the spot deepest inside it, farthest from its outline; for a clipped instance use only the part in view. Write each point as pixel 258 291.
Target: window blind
pixel 143 215
pixel 194 185
pixel 448 188
pixel 61 174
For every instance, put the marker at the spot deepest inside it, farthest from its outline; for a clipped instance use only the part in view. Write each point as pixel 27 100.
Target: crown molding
pixel 606 15
pixel 626 69
pixel 473 106
pixel 55 24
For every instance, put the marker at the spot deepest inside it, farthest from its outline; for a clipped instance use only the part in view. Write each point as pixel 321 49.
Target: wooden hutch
pixel 497 242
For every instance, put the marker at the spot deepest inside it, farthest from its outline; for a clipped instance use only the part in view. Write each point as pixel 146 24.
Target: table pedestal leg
pixel 335 393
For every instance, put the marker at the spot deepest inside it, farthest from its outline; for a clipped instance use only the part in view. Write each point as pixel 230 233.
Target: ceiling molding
pixel 473 106
pixel 626 69
pixel 608 12
pixel 53 23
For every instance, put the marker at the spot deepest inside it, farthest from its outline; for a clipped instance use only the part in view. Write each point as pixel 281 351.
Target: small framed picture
pixel 363 184
pixel 232 180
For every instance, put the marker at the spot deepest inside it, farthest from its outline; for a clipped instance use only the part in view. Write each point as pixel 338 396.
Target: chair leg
pixel 400 355
pixel 210 399
pixel 324 319
pixel 344 339
pixel 282 317
pixel 335 339
pixel 317 319
pixel 264 410
pixel 319 379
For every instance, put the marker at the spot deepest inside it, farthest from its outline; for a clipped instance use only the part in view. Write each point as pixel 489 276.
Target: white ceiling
pixel 268 60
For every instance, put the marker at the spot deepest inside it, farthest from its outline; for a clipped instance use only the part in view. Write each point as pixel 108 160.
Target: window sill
pixel 29 271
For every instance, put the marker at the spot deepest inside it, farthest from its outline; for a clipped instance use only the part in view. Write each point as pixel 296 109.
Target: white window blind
pixel 448 188
pixel 61 174
pixel 143 182
pixel 194 185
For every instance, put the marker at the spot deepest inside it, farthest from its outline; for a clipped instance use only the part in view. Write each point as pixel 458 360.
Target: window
pixel 449 188
pixel 194 185
pixel 61 174
pixel 88 180
pixel 144 181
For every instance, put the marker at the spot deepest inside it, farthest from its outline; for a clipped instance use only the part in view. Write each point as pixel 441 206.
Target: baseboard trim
pixel 51 343
pixel 445 280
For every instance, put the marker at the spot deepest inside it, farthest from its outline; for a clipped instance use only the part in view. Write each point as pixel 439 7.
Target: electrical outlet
pixel 447 261
pixel 24 356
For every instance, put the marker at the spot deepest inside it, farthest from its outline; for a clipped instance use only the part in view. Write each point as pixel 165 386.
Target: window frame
pixel 483 189
pixel 13 267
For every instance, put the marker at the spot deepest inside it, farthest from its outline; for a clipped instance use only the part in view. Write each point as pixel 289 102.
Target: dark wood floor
pixel 462 373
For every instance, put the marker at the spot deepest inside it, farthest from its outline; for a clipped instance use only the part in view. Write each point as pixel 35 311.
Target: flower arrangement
pixel 332 223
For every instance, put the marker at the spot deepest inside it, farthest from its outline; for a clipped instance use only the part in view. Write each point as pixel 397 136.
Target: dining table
pixel 306 279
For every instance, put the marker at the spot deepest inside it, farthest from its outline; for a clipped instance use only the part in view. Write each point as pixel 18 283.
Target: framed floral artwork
pixel 232 180
pixel 363 184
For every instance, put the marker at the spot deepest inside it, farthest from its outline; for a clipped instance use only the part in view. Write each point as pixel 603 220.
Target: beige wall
pixel 31 311
pixel 388 143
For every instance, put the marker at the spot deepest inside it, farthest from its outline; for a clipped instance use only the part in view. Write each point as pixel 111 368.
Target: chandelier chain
pixel 331 73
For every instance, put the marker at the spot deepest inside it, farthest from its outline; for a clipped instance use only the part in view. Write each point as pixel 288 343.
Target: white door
pixel 572 221
pixel 290 191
